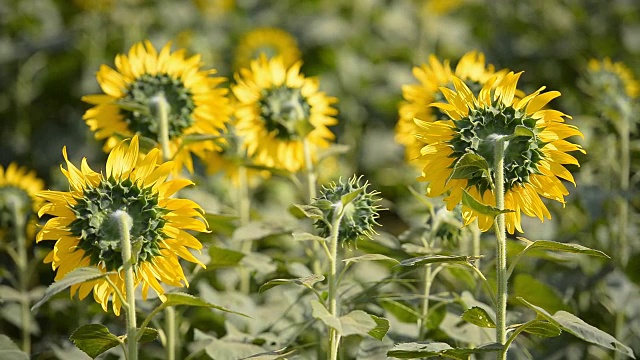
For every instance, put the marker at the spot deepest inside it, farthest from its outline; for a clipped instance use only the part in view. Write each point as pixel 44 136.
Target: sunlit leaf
pixel 543 329
pixel 9 350
pixel 561 247
pixel 357 322
pixel 368 257
pixel 433 259
pixel 175 299
pixel 307 281
pixel 94 339
pixel 381 329
pixel 310 211
pixel 475 205
pixel 318 311
pixel 303 236
pixel 468 165
pixel 75 276
pixel 415 350
pixel 576 326
pixel 479 317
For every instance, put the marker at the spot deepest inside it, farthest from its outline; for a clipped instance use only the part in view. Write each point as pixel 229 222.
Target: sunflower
pixel 83 229
pixel 197 106
pixel 18 188
pixel 278 110
pixel 471 69
pixel 613 78
pixel 533 165
pixel 268 41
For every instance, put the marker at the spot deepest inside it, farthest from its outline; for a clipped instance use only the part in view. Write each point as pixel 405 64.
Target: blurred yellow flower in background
pixel 18 188
pixel 278 110
pixel 267 41
pixel 197 106
pixel 613 78
pixel 82 223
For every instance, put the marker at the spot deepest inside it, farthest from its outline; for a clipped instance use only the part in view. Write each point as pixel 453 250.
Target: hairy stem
pixel 125 224
pixel 23 275
pixel 244 210
pixel 501 250
pixel 334 336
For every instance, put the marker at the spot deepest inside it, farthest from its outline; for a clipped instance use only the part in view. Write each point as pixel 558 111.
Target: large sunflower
pixel 84 233
pixel 18 188
pixel 267 41
pixel 472 69
pixel 197 105
pixel 533 165
pixel 278 109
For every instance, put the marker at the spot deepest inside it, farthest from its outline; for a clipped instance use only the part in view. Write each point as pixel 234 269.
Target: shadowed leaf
pixel 94 339
pixel 307 281
pixel 76 276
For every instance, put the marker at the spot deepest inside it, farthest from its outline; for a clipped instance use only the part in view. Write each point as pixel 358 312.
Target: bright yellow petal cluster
pixel 619 70
pixel 206 114
pixel 471 68
pixel 16 181
pixel 438 153
pixel 143 175
pixel 272 148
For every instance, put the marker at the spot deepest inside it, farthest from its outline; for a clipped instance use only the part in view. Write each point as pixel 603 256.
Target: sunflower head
pixel 472 69
pixel 86 235
pixel 459 153
pixel 18 201
pixel 612 79
pixel 196 106
pixel 278 110
pixel 267 41
pixel 360 212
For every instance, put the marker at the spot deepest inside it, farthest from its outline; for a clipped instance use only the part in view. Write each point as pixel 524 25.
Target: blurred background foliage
pixel 363 51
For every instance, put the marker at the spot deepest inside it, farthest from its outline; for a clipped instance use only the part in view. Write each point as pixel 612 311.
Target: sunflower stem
pixel 332 298
pixel 501 250
pixel 310 173
pixel 161 108
pixel 244 210
pixel 124 226
pixel 23 274
pixel 623 205
pixel 422 321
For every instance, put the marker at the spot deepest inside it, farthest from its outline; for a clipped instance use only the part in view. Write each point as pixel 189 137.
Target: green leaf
pixel 318 311
pixel 334 149
pixel 175 299
pixel 415 350
pixel 521 131
pixel 560 247
pixel 468 165
pixel 479 317
pixel 133 106
pixel 401 311
pixel 526 286
pixel 271 355
pixel 221 257
pixel 433 259
pixel 94 339
pixel 349 197
pixel 223 224
pixel 195 138
pixel 148 334
pixel 470 202
pixel 357 322
pixel 310 211
pixel 9 350
pixel 368 257
pixel 76 276
pixel 258 230
pixel 307 281
pixel 381 329
pixel 576 326
pixel 543 328
pixel 303 236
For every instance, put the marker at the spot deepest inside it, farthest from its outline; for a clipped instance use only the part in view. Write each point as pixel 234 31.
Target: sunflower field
pixel 319 179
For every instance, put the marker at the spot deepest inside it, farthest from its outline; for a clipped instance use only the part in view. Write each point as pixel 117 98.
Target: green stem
pixel 124 225
pixel 244 210
pixel 160 108
pixel 310 173
pixel 23 275
pixel 619 328
pixel 334 336
pixel 501 245
pixel 623 205
pixel 422 321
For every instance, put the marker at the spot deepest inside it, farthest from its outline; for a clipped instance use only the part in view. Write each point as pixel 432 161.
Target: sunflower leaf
pixel 178 298
pixel 368 257
pixel 432 259
pixel 320 312
pixel 576 326
pixel 382 326
pixel 521 131
pixel 304 236
pixel 542 328
pixel 561 247
pixel 94 339
pixel 9 350
pixel 272 355
pixel 310 211
pixel 475 205
pixel 357 322
pixel 479 317
pixel 76 276
pixel 221 257
pixel 416 350
pixel 307 281
pixel 468 165
pixel 348 198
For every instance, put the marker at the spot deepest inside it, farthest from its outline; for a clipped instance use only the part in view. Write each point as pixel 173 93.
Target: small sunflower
pixel 613 78
pixel 533 165
pixel 268 41
pixel 18 188
pixel 278 109
pixel 85 236
pixel 197 105
pixel 472 69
